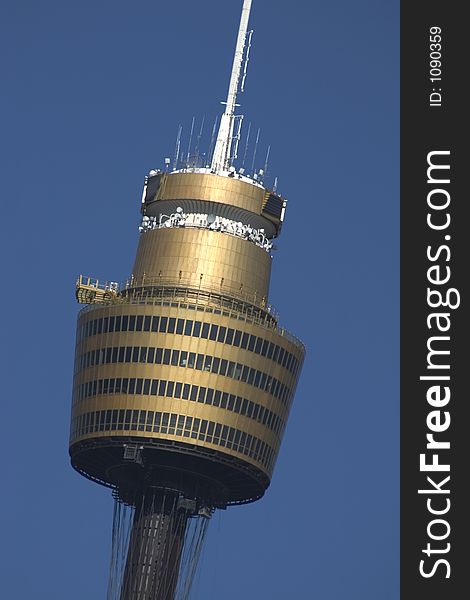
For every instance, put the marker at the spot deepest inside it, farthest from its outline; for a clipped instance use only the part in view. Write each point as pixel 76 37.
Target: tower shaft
pixel 155 547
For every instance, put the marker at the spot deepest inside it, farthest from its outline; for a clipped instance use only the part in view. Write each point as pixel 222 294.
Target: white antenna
pixel 189 144
pixel 221 159
pixel 267 160
pixel 254 152
pixel 177 148
pixel 199 138
pixel 247 142
pixel 211 146
pixel 247 58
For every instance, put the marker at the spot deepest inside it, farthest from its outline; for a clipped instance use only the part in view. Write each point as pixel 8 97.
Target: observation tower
pixel 183 376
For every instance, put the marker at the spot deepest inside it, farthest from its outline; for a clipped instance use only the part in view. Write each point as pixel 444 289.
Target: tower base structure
pixel 156 545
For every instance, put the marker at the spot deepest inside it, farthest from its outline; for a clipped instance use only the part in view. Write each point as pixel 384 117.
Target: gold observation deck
pixel 187 357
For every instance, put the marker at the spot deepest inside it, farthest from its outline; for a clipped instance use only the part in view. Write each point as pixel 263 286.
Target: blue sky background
pixel 92 96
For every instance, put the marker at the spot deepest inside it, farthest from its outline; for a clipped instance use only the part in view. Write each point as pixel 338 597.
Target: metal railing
pixel 194 299
pixel 204 283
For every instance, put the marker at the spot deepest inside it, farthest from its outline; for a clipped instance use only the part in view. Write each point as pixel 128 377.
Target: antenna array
pixel 227 142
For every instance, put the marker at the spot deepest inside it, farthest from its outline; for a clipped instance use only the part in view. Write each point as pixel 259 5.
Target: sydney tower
pixel 183 376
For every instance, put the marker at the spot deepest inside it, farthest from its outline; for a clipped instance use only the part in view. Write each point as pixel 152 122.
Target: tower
pixel 183 376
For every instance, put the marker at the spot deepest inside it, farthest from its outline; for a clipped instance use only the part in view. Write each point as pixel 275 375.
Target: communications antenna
pixel 247 58
pixel 224 152
pixel 199 137
pixel 267 160
pixel 246 144
pixel 254 151
pixel 189 143
pixel 177 147
pixel 211 145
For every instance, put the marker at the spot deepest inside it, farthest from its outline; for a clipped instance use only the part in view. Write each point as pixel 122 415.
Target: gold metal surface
pixel 202 378
pixel 204 258
pixel 229 191
pixel 185 374
pixel 212 188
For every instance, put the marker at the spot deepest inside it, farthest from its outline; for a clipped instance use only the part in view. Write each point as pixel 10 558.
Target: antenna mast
pixel 221 159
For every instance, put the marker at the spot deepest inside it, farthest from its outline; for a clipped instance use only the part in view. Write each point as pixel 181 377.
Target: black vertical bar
pixel 434 253
pixel 155 548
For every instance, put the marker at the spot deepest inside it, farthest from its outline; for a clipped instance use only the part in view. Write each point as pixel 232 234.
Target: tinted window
pixel 237 338
pixel 171 325
pixel 223 366
pixel 197 328
pixel 245 371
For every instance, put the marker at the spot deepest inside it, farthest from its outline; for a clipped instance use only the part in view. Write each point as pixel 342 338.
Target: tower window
pixel 163 324
pixel 171 325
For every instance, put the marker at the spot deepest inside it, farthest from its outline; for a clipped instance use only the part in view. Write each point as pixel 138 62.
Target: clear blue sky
pixel 92 96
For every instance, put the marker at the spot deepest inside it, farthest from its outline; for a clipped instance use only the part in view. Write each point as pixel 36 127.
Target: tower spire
pixel 222 157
